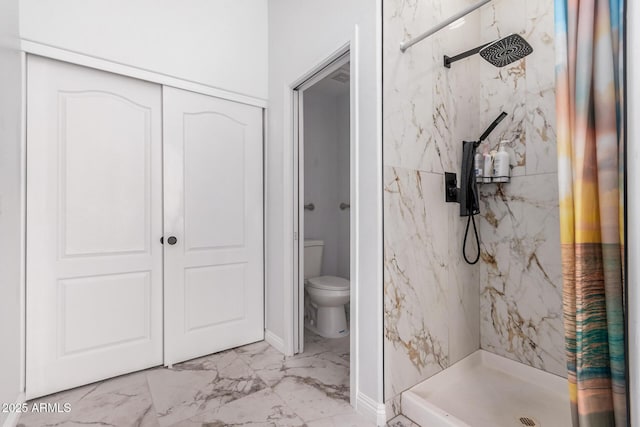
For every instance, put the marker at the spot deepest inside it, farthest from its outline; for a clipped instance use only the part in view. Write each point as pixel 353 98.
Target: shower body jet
pixel 500 52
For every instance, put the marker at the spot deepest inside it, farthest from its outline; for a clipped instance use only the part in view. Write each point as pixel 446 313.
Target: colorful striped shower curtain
pixel 589 71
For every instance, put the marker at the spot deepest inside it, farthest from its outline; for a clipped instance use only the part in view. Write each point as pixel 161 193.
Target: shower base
pixel 485 390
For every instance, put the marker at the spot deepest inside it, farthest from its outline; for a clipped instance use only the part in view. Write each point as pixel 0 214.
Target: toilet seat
pixel 329 283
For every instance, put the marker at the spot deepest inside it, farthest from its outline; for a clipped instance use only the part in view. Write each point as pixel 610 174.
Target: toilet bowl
pixel 326 296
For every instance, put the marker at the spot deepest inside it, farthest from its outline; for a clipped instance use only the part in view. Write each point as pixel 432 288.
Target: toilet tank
pixel 312 258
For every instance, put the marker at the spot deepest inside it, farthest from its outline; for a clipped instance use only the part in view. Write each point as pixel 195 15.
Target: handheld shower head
pixel 506 50
pixel 501 52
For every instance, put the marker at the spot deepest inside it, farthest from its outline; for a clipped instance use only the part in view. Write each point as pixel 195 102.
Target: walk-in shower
pixel 483 345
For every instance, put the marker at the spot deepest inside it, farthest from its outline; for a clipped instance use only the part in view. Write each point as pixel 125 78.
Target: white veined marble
pixel 416 256
pixel 521 276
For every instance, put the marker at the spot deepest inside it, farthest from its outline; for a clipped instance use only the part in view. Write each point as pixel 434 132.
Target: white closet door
pixel 214 210
pixel 94 220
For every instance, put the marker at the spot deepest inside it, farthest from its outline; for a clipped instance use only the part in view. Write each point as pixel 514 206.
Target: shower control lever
pixel 451 189
pixel 309 207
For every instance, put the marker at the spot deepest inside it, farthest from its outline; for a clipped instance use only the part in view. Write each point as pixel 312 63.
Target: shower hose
pixel 464 244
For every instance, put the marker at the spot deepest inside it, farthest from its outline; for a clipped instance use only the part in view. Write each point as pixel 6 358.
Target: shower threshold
pixel 486 390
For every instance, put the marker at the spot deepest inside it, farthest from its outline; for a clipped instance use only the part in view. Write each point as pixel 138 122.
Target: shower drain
pixel 528 422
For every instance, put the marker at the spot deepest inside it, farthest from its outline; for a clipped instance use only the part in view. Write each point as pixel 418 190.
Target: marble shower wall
pixel 437 308
pixel 432 306
pixel 521 277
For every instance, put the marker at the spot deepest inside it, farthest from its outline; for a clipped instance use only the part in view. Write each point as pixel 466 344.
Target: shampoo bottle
pixel 501 170
pixel 478 166
pixel 488 166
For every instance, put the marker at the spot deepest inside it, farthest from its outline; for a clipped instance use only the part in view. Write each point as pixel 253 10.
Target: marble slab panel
pixel 540 33
pixel 521 276
pixel 541 99
pixel 427 107
pixel 541 150
pixel 407 89
pixel 463 289
pixel 455 97
pixel 415 278
pixel 504 89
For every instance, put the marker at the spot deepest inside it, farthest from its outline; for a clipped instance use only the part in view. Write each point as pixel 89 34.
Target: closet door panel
pixel 208 186
pixel 214 208
pixel 94 219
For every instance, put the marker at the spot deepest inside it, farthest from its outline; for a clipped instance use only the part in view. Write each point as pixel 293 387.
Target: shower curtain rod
pixel 407 44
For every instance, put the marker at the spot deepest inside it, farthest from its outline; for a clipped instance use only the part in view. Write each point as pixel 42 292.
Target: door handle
pixel 172 240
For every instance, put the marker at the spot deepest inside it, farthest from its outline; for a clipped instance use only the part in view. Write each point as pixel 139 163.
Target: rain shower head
pixel 506 50
pixel 501 52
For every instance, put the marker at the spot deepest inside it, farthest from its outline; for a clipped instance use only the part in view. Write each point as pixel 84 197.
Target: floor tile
pixel 401 421
pixel 347 420
pixel 262 357
pixel 315 344
pixel 323 365
pixel 123 401
pixel 263 408
pixel 311 399
pixel 200 386
pixel 254 385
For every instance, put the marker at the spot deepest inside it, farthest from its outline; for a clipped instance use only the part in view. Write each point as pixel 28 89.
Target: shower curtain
pixel 589 74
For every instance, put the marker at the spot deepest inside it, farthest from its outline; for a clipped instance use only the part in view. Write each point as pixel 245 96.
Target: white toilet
pixel 327 295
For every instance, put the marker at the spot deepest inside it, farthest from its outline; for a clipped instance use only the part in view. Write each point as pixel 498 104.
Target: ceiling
pixel 335 84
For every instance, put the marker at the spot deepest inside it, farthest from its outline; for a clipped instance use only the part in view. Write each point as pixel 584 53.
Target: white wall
pixel 302 33
pixel 326 176
pixel 633 208
pixel 221 43
pixel 10 206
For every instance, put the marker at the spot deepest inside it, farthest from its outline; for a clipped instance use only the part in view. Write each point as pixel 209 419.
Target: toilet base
pixel 330 322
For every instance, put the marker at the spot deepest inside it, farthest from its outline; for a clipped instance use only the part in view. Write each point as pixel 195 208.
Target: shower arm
pixel 407 44
pixel 450 60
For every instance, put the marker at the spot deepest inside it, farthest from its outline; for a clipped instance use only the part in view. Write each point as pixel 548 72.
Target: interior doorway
pixel 322 209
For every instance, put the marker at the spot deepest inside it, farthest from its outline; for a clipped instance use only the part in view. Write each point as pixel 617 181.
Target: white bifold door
pixel 94 217
pixel 213 208
pixel 116 168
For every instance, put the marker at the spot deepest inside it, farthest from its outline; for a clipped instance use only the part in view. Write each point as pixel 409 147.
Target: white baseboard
pixel 275 341
pixel 372 410
pixel 12 419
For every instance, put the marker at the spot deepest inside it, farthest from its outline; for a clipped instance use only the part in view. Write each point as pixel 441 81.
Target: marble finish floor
pixel 254 385
pixel 401 421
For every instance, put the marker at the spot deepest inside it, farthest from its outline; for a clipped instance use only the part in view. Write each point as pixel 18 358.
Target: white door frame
pixel 292 294
pixel 298 193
